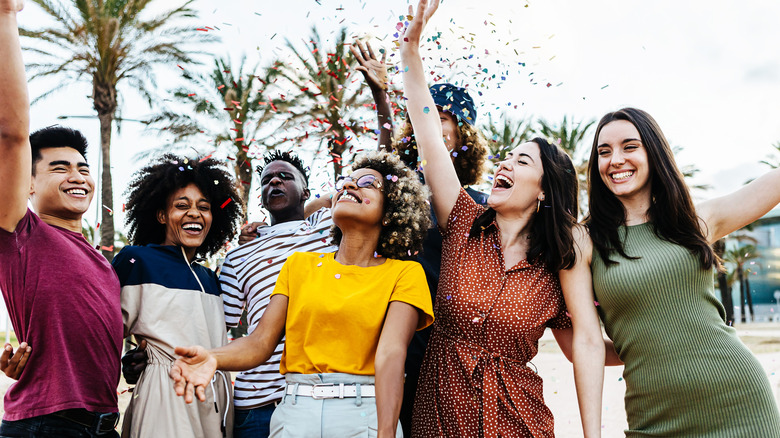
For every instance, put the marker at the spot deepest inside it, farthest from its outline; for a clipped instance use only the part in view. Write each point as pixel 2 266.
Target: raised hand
pixel 12 364
pixel 11 5
pixel 374 70
pixel 413 32
pixel 192 372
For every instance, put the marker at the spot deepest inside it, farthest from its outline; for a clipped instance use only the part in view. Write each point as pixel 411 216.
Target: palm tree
pixel 328 103
pixel 229 107
pixel 505 135
pixel 108 43
pixel 689 171
pixel 773 161
pixel 722 279
pixel 739 257
pixel 569 135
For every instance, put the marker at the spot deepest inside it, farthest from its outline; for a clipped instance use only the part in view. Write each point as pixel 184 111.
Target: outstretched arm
pixel 16 162
pixel 196 366
pixel 754 200
pixel 437 166
pixel 400 322
pixel 588 350
pixel 375 73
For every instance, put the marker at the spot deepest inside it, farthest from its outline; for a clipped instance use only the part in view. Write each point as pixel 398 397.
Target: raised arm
pixel 588 351
pixel 16 162
pixel 196 366
pixel 731 212
pixel 400 322
pixel 375 73
pixel 437 166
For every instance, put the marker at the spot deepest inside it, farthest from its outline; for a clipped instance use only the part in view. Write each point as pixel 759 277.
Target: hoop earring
pixel 538 204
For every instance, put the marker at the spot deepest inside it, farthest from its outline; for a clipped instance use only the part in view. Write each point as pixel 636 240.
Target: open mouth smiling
pixel 77 191
pixel 503 182
pixel 347 196
pixel 192 227
pixel 621 176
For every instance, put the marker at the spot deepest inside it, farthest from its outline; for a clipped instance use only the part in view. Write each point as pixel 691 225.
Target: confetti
pixel 426 110
pixel 224 204
pixel 338 276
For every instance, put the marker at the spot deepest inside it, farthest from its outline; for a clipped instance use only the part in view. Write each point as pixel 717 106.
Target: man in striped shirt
pixel 249 275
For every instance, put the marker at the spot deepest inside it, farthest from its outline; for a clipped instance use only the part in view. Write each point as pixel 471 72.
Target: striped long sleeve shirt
pixel 247 280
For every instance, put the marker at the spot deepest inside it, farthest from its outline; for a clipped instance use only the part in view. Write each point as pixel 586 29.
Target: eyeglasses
pixel 362 182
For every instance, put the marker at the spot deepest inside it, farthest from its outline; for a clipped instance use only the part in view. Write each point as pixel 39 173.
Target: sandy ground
pixel 559 392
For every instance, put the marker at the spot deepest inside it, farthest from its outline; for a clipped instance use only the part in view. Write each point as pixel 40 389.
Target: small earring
pixel 385 222
pixel 538 204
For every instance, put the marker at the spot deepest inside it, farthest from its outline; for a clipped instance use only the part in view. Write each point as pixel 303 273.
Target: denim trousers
pixel 48 426
pixel 253 423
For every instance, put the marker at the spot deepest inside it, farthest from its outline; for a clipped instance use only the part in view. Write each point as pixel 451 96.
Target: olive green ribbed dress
pixel 687 374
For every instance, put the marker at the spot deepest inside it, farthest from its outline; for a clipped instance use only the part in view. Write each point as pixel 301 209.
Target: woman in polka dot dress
pixel 498 289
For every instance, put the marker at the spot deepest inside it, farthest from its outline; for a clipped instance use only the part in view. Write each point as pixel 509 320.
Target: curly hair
pixel 151 187
pixel 406 206
pixel 286 157
pixel 471 152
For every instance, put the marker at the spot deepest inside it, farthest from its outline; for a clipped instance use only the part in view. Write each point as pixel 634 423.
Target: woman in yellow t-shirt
pixel 348 317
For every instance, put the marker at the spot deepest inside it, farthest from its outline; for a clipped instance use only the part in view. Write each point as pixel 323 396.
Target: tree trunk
pixel 725 298
pixel 725 291
pixel 243 169
pixel 336 150
pixel 104 102
pixel 106 189
pixel 749 297
pixel 742 299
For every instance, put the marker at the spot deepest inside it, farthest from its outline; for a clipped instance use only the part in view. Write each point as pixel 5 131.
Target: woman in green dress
pixel 648 250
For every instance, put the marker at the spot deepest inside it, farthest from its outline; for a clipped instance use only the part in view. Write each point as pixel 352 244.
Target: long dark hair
pixel 551 237
pixel 671 213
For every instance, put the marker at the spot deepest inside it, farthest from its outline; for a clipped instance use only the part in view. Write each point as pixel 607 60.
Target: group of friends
pixel 341 290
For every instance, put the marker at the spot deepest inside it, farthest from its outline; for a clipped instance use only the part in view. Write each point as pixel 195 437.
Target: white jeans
pixel 306 417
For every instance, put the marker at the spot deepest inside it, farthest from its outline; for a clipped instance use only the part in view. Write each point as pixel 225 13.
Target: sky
pixel 708 71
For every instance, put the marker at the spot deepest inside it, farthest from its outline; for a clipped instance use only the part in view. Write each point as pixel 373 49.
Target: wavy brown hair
pixel 672 213
pixel 151 186
pixel 406 206
pixel 469 163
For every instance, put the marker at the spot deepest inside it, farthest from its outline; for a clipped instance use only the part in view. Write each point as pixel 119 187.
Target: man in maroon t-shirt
pixel 61 294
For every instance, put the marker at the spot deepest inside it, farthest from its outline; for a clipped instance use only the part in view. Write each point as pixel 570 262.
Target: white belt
pixel 331 390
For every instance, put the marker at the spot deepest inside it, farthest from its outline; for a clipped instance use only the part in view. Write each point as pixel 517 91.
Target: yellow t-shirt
pixel 335 312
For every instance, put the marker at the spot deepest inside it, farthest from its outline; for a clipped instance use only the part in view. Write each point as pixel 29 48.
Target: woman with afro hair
pixel 177 210
pixel 348 317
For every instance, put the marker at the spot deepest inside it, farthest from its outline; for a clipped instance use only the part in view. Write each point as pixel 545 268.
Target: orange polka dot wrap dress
pixel 475 381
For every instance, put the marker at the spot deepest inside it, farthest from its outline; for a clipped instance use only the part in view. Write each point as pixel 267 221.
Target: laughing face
pixel 517 184
pixel 623 163
pixel 62 185
pixel 187 219
pixel 364 205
